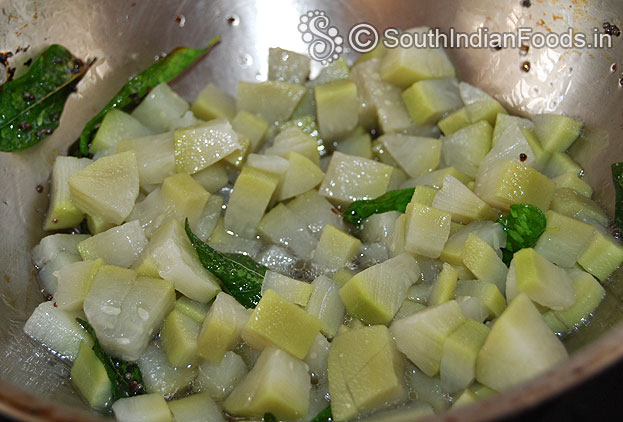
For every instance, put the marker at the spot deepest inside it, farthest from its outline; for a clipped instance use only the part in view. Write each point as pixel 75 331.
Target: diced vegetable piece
pixel 588 295
pixel 358 143
pixel 564 239
pixel 178 263
pixel 488 293
pixel 187 197
pixel 237 158
pixel 365 372
pixel 490 232
pixel 277 322
pixel 220 379
pixel 473 308
pixel 125 311
pixel 118 246
pixel 212 178
pixel 459 355
pixel 376 293
pixel 201 146
pixel 435 178
pixel 326 305
pixel 269 163
pixel 465 398
pixel 292 290
pixel 426 231
pixel 95 188
pixel 465 207
pixel 272 100
pixel 337 108
pixel 381 98
pixel 519 347
pixel 334 71
pixel 408 308
pixel 428 100
pixel 542 281
pixel 252 192
pixel 277 384
pixel 56 329
pixel 196 408
pixel 281 226
pixel 53 253
pixel 179 338
pixel 287 66
pixel 318 357
pixel 144 408
pixel 466 148
pixel 305 123
pixel 342 276
pixel 602 256
pixel 221 329
pixel 560 163
pixel 154 154
pixel 503 121
pixel 213 103
pixel 379 227
pixel 301 176
pixel 116 126
pixel 541 156
pixel 415 155
pixel 335 248
pixel 226 242
pixel 62 212
pixel 251 126
pixel 187 119
pixel 482 260
pixel 74 282
pixel 454 121
pixel 195 310
pixel 404 66
pixel 315 211
pixel 511 143
pixel 206 223
pixel 572 204
pixel 556 132
pixel 397 244
pixel 479 105
pixel 572 181
pixel 160 376
pixel 307 106
pixel 420 337
pixel 508 182
pixel 160 108
pixel 89 375
pixel 293 139
pixel 444 286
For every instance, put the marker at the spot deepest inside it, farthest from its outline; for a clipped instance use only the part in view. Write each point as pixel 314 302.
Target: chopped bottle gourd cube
pixel 519 347
pixel 90 377
pixel 337 108
pixel 273 101
pixel 295 291
pixel 444 286
pixel 278 384
pixel 564 239
pixel 220 379
pixel 483 261
pixel 118 246
pixel 213 103
pixel 488 294
pixel 467 147
pixel 95 188
pixel 427 230
pixel 301 176
pixel 430 99
pixel 179 338
pixel 251 126
pixel 416 155
pixel 335 248
pixel 375 294
pixel 277 322
pixel 556 132
pixel 287 66
pixel 421 336
pixel 326 305
pixel 602 256
pixel 74 282
pixel 457 199
pixel 365 372
pixel 115 126
pixel 197 407
pixel 144 408
pixel 160 108
pixel 62 212
pixel 221 328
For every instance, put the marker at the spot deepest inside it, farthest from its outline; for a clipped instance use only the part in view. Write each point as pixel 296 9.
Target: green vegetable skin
pixel 395 200
pixel 117 369
pixel 617 179
pixel 240 274
pixel 31 105
pixel 162 71
pixel 523 226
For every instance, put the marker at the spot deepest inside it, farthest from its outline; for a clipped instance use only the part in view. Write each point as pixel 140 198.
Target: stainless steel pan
pixel 125 36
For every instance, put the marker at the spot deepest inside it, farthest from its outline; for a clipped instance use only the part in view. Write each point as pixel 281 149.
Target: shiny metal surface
pixel 125 36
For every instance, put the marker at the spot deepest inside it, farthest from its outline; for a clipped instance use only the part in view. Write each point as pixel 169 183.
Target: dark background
pixel 598 399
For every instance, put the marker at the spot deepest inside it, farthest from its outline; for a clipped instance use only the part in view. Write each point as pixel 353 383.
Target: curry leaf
pixel 31 105
pixel 163 70
pixel 240 274
pixel 617 179
pixel 126 378
pixel 324 416
pixel 395 200
pixel 523 226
